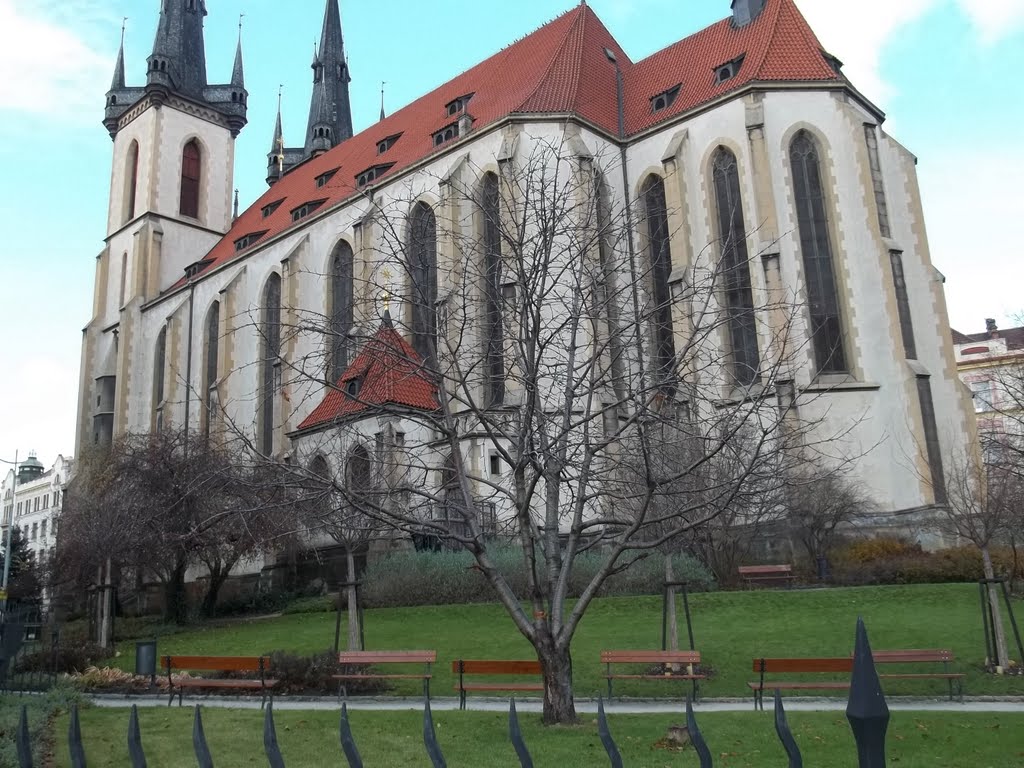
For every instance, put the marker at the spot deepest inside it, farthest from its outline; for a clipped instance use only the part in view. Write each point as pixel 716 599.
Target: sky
pixel 946 72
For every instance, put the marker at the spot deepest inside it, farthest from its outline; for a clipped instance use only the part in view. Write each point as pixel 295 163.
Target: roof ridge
pixel 555 57
pixel 776 9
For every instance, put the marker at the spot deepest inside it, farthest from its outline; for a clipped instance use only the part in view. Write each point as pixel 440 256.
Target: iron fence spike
pixel 348 744
pixel 866 708
pixel 135 753
pixel 24 740
pixel 785 735
pixel 514 733
pixel 270 738
pixel 606 737
pixel 75 740
pixel 203 756
pixel 430 738
pixel 697 738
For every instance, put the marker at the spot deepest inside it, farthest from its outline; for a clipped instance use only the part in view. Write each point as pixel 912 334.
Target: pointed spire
pixel 278 141
pixel 238 73
pixel 178 61
pixel 382 115
pixel 118 82
pixel 329 107
pixel 275 157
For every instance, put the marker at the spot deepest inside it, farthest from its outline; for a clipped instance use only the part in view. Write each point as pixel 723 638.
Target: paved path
pixel 585 706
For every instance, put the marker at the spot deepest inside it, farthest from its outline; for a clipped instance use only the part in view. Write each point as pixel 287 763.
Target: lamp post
pixel 10 529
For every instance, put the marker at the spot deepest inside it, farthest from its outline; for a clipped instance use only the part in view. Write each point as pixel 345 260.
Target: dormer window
pixel 458 105
pixel 196 267
pixel 246 240
pixel 324 177
pixel 372 174
pixel 665 99
pixel 728 70
pixel 305 209
pixel 832 61
pixel 352 387
pixel 385 144
pixel 269 208
pixel 447 133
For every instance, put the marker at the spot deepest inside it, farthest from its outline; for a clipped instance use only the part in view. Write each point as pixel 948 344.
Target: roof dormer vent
pixel 745 11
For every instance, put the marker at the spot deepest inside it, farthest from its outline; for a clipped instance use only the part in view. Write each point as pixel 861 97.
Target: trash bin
pixel 145 659
pixel 823 570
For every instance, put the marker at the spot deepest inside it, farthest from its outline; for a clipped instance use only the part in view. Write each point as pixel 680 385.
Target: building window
pixel 903 304
pixel 983 393
pixel 124 277
pixel 659 263
pixel 816 245
pixel 132 177
pixel 243 242
pixel 447 133
pixel 372 174
pixel 458 105
pixel 212 359
pixel 359 471
pixel 305 209
pixel 325 177
pixel 728 70
pixel 42 530
pixel 871 139
pixel 191 173
pixel 46 501
pixel 738 293
pixel 931 439
pixel 269 208
pixel 342 311
pixel 387 143
pixel 665 99
pixel 159 371
pixel 422 255
pixel 494 338
pixel 270 361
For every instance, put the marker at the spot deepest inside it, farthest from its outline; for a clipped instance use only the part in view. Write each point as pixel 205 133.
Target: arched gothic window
pixel 210 374
pixel 341 310
pixel 270 361
pixel 735 269
pixel 359 471
pixel 191 173
pixel 816 247
pixel 159 371
pixel 659 258
pixel 132 177
pixel 422 255
pixel 494 339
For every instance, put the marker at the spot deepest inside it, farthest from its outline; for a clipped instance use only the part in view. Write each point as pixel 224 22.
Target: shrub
pixel 880 548
pixel 438 578
pixel 318 604
pixel 69 657
pixel 255 603
pixel 312 674
pixel 958 564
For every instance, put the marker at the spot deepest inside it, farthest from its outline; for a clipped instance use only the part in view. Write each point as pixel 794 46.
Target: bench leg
pixel 462 698
pixel 426 687
pixel 170 699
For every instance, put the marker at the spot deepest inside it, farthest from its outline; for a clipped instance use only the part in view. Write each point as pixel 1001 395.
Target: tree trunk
pixel 218 577
pixel 353 602
pixel 105 616
pixel 175 604
pixel 670 609
pixel 997 615
pixel 556 667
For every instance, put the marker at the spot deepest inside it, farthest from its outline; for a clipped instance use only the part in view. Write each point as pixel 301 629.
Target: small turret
pixel 178 60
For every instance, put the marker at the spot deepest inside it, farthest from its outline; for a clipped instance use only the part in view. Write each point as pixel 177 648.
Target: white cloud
pixel 50 66
pixel 994 20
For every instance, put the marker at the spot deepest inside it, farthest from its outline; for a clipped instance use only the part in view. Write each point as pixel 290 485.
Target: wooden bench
pixel 522 668
pixel 757 574
pixel 374 658
pixel 844 666
pixel 688 659
pixel 258 664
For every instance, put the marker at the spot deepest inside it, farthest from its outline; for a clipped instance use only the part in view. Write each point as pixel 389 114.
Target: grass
pixel 737 740
pixel 730 628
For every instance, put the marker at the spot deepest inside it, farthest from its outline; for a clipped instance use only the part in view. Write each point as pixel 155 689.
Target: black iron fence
pixel 28 651
pixel 866 710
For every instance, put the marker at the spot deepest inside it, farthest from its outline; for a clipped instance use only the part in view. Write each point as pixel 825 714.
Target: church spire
pixel 178 61
pixel 238 73
pixel 329 109
pixel 118 81
pixel 275 157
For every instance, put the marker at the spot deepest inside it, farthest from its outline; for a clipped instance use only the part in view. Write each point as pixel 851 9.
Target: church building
pixel 296 322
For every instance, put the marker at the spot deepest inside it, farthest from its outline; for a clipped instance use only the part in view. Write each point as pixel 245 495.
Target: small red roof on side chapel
pixel 560 68
pixel 387 374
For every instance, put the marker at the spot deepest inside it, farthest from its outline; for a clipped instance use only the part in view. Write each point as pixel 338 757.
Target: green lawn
pixel 481 739
pixel 730 628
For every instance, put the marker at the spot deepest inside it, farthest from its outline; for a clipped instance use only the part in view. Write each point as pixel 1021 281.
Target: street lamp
pixel 10 528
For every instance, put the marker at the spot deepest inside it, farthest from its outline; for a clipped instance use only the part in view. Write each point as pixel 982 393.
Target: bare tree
pixel 821 502
pixel 564 357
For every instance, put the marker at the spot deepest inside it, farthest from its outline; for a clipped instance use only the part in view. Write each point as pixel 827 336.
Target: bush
pixel 438 578
pixel 70 657
pixel 318 604
pixel 958 564
pixel 256 603
pixel 312 674
pixel 880 548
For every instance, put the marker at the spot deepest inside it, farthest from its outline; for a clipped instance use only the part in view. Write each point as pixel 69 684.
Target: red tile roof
pixel 559 68
pixel 1014 337
pixel 389 372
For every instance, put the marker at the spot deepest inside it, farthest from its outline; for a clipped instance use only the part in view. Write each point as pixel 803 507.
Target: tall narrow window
pixel 903 304
pixel 494 356
pixel 816 246
pixel 131 172
pixel 931 439
pixel 270 361
pixel 876 180
pixel 124 277
pixel 659 259
pixel 341 310
pixel 422 255
pixel 191 172
pixel 159 371
pixel 210 377
pixel 735 270
pixel 360 471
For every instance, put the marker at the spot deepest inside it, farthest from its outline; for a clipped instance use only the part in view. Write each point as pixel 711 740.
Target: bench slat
pixel 643 657
pixel 387 657
pixel 794 685
pixel 501 687
pixel 203 682
pixel 382 677
pixel 764 570
pixel 656 677
pixel 217 663
pixel 494 667
pixel 804 665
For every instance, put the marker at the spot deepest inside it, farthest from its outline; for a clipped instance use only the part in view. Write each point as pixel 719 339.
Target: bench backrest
pixel 387 657
pixel 218 663
pixel 912 655
pixel 495 667
pixel 650 657
pixel 764 570
pixel 803 665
